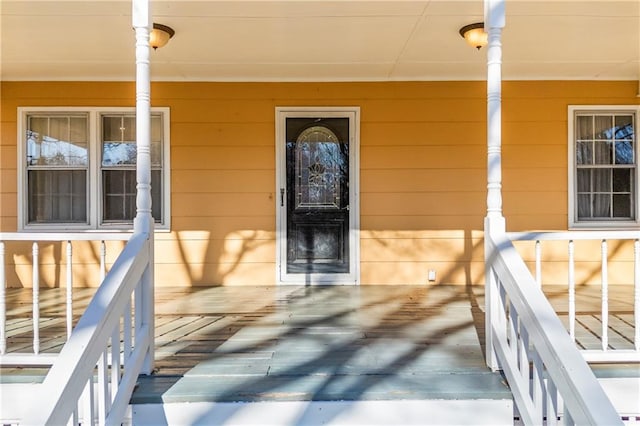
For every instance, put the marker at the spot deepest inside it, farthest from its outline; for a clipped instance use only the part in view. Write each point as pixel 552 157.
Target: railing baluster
pixel 103 260
pixel 103 387
pixel 35 284
pixel 69 289
pixel 3 306
pixel 513 333
pixel 126 343
pixel 537 387
pixel 88 413
pixel 115 361
pixel 538 263
pixel 524 355
pixel 572 292
pixel 605 296
pixel 552 403
pixel 636 294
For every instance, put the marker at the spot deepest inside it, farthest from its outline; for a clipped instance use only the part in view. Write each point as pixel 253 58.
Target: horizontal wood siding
pixel 422 172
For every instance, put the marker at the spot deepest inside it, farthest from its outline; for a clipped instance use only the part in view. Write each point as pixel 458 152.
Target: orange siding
pixel 422 172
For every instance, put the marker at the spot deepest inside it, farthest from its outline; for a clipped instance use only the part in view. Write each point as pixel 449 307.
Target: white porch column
pixel 494 221
pixel 143 222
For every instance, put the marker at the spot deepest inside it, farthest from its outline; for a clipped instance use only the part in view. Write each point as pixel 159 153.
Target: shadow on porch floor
pixel 340 343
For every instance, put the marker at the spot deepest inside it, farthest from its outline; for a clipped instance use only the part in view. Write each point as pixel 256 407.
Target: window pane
pixel 118 143
pixel 621 180
pixel 622 205
pixel 584 152
pixel 156 128
pixel 584 180
pixel 602 180
pixel 156 195
pixel 624 127
pixel 602 205
pixel 584 206
pixel 59 128
pixel 119 195
pixel 584 127
pixel 57 196
pixel 603 127
pixel 603 154
pixel 57 141
pixel 624 152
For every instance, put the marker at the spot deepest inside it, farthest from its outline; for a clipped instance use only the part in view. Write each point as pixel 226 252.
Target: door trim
pixel 353 276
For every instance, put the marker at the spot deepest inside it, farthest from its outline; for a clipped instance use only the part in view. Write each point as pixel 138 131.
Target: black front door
pixel 317 179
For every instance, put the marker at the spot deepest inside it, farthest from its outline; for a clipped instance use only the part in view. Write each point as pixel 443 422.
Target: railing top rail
pixel 66 236
pixel 585 399
pixel 573 235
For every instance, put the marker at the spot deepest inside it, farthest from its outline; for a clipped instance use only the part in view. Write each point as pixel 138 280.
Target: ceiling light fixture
pixel 160 35
pixel 474 34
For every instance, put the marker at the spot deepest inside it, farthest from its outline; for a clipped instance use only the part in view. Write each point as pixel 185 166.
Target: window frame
pixel 95 220
pixel 602 224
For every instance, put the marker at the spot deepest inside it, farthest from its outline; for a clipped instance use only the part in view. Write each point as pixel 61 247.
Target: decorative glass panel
pixel 318 169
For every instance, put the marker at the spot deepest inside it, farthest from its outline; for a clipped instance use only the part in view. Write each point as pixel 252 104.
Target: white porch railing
pixel 116 325
pixel 627 245
pixel 549 378
pixel 19 354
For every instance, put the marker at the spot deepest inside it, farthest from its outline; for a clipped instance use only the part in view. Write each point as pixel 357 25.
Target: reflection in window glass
pixel 119 157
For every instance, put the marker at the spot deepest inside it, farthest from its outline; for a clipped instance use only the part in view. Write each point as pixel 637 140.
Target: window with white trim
pixel 78 168
pixel 603 153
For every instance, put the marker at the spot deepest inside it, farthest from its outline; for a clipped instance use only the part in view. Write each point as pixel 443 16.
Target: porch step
pixel 278 413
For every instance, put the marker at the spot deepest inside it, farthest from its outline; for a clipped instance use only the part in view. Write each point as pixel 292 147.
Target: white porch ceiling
pixel 307 40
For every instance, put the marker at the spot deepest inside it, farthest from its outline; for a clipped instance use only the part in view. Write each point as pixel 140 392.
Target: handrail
pixel 88 346
pixel 538 358
pixel 573 235
pixel 115 235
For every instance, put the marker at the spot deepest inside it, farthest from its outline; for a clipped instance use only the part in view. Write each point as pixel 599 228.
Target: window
pixel 80 168
pixel 604 167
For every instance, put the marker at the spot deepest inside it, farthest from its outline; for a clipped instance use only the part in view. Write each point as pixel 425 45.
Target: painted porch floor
pixel 318 343
pixel 224 345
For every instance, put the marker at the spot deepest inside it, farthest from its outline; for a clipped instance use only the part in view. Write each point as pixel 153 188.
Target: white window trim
pixel 571 189
pixel 94 168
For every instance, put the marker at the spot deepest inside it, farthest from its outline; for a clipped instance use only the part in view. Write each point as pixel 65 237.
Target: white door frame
pixel 353 276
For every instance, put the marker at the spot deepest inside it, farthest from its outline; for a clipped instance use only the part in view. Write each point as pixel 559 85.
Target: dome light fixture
pixel 474 34
pixel 160 35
